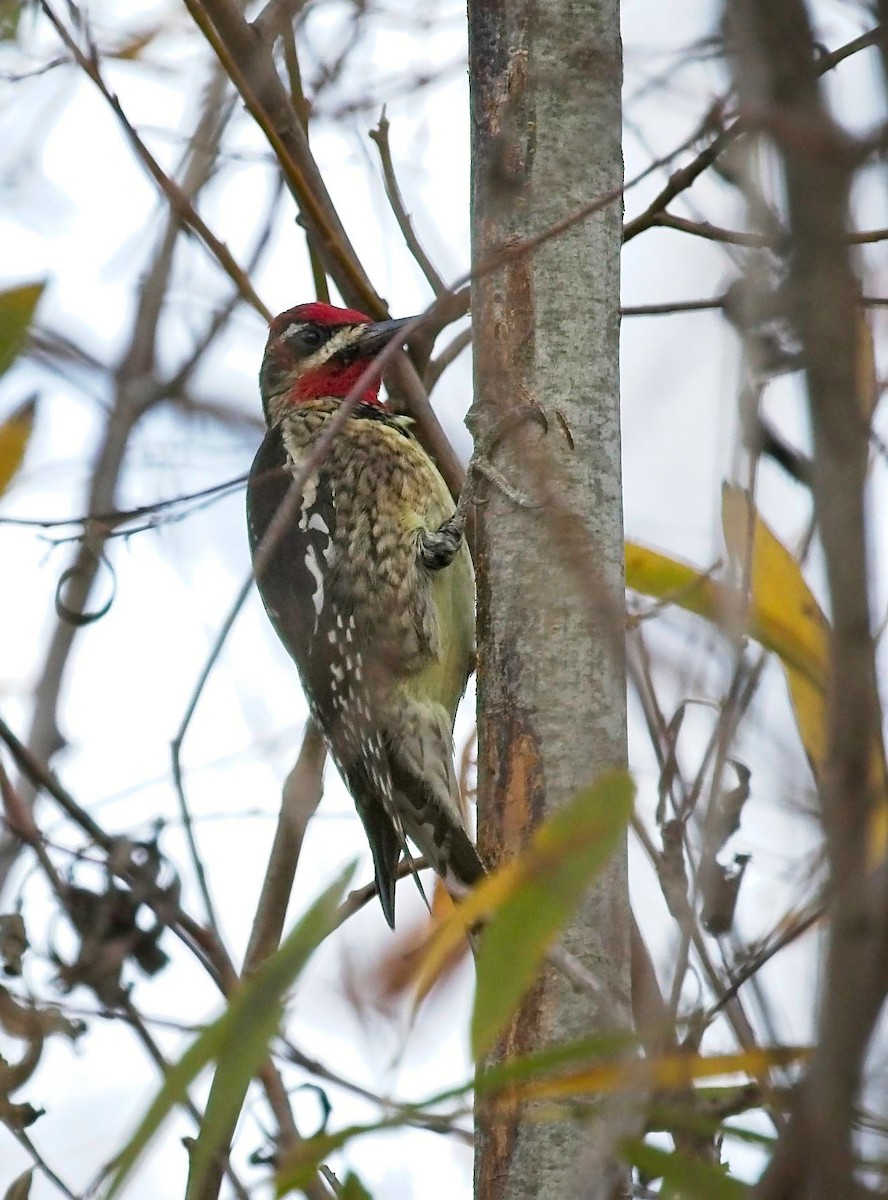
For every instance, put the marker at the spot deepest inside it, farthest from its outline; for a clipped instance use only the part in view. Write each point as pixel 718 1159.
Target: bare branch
pixel 380 135
pixel 777 76
pixel 177 197
pixel 301 796
pixel 450 353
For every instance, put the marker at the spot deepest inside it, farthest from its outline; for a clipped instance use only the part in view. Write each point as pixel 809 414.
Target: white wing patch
pixel 311 521
pixel 317 596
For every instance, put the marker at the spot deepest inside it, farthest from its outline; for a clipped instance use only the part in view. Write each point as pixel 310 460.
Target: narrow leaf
pixel 299 1164
pixel 15 433
pixel 353 1189
pixel 563 858
pixel 694 1180
pixel 786 618
pixel 553 1060
pixel 669 1072
pixel 20 1189
pixel 784 615
pixel 16 310
pixel 558 865
pixel 674 582
pixel 237 1040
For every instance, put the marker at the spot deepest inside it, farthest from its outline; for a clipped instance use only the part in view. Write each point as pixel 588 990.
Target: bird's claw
pixel 439 548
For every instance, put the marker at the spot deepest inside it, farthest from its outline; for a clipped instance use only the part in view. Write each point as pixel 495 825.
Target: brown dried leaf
pixel 13 943
pixel 18 1117
pixel 720 887
pixel 671 869
pixel 30 1020
pixel 397 972
pixel 20 1189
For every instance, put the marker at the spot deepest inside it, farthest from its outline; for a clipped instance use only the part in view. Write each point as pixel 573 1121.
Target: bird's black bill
pixel 378 335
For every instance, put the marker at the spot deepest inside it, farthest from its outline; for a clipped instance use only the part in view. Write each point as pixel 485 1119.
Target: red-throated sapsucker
pixel 369 589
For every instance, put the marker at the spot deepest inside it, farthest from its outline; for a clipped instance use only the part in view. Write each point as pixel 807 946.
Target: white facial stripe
pixel 339 341
pixel 312 521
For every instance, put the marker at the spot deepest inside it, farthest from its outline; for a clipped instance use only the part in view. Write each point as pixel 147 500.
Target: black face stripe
pixel 305 338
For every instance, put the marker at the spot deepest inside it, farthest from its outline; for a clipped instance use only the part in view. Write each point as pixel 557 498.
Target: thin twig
pixel 712 233
pixel 303 110
pixel 248 62
pixel 736 237
pixel 667 308
pixel 450 353
pixel 434 1124
pixel 199 940
pixel 39 1161
pixel 177 198
pixel 111 520
pixel 686 176
pixel 301 795
pixel 380 136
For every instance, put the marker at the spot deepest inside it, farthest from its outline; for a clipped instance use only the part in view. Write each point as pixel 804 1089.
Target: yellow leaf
pixel 566 848
pixel 674 1071
pixel 396 973
pixel 783 614
pixel 673 582
pixel 483 899
pixel 17 307
pixel 14 434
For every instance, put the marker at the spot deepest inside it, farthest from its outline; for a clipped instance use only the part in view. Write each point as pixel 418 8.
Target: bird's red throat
pixel 336 380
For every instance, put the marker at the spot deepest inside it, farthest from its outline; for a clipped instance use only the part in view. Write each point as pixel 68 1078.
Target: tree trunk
pixel 545 83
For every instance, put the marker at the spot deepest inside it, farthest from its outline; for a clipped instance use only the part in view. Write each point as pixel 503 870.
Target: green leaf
pixel 706 1113
pixel 299 1164
pixel 237 1041
pixel 16 310
pixel 10 16
pixel 353 1189
pixel 15 433
pixel 563 858
pixel 691 1179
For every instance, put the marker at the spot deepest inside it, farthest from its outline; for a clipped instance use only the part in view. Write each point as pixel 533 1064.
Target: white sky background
pixel 78 210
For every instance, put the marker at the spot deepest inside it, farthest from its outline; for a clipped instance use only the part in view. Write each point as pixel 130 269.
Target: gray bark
pixel 545 83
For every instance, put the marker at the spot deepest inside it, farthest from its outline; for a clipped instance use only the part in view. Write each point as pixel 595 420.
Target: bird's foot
pixel 439 548
pixel 481 466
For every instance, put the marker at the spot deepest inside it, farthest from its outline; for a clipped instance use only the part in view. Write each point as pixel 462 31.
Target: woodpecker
pixel 369 588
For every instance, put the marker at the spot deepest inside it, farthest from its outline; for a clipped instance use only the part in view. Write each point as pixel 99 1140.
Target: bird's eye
pixel 310 337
